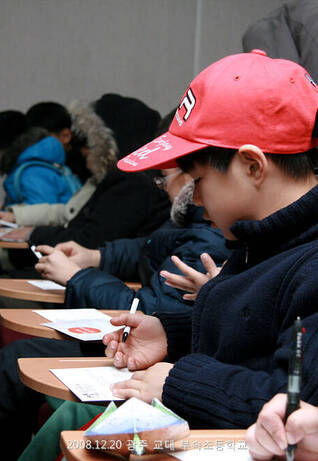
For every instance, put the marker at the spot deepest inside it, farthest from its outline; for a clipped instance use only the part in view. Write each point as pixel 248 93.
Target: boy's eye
pixel 196 181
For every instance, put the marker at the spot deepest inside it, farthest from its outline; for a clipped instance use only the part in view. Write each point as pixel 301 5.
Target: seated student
pixel 188 242
pixel 95 277
pixel 35 161
pixel 253 173
pixel 123 205
pixel 93 287
pixel 270 435
pixel 245 131
pixel 95 147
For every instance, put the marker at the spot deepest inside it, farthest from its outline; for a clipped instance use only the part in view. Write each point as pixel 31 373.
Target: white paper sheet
pixel 55 315
pixel 8 239
pixel 228 452
pixel 46 284
pixel 92 384
pixel 4 231
pixel 84 330
pixel 8 224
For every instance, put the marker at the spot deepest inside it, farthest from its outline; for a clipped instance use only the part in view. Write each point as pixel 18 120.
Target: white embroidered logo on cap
pixel 188 102
pixel 161 143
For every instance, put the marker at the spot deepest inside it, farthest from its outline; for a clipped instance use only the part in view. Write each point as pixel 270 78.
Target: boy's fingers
pixel 257 450
pixel 302 423
pixel 190 297
pixel 176 281
pixel 271 420
pixel 132 364
pixel 45 249
pixel 125 393
pixel 111 349
pixel 209 264
pixel 187 270
pixel 120 360
pixel 131 320
pixel 114 336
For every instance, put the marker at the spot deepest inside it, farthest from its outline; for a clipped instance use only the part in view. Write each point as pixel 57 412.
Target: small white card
pixel 54 315
pixel 8 224
pixel 84 330
pixel 46 284
pixel 92 384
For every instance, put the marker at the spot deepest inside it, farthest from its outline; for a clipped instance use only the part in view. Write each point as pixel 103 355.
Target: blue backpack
pixel 73 182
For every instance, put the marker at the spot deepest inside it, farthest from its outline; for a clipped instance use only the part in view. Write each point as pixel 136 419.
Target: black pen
pixel 132 310
pixel 294 379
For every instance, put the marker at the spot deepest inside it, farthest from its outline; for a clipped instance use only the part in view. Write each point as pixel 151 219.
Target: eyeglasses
pixel 161 181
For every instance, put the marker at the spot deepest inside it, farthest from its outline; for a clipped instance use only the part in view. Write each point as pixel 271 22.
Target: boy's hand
pixel 146 343
pixel 192 280
pixel 269 437
pixel 145 384
pixel 54 265
pixel 7 216
pixel 80 255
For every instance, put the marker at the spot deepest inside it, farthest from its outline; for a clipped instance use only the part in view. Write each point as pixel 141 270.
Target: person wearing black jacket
pixel 123 205
pixel 96 277
pixel 187 242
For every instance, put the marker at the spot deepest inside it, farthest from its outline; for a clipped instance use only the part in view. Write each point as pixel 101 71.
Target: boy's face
pixel 175 180
pixel 224 196
pixel 64 136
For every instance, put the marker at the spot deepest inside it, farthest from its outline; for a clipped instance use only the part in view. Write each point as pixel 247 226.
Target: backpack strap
pixel 72 181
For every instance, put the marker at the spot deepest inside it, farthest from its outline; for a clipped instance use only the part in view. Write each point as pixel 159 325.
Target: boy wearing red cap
pixel 245 130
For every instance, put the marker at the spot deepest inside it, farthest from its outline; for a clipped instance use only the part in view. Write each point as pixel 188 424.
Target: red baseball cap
pixel 246 98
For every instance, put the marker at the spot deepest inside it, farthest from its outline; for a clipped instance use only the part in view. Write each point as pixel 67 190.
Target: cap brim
pixel 161 153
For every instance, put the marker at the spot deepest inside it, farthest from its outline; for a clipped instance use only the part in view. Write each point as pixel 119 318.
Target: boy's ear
pixel 254 162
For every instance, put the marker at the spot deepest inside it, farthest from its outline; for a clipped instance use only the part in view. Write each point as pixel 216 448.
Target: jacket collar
pixel 295 224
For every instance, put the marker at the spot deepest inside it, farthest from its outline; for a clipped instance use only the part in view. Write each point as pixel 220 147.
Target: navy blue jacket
pixel 232 354
pixel 142 259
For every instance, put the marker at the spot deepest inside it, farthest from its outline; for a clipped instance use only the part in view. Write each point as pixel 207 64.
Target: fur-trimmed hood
pixel 181 203
pixel 100 140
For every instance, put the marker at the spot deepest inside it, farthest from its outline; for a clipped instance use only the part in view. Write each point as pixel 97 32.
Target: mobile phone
pixel 37 253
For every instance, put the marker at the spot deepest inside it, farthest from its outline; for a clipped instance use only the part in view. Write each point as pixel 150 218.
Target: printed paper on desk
pixel 7 239
pixel 8 224
pixel 227 452
pixel 84 330
pixel 4 231
pixel 46 284
pixel 92 384
pixel 54 315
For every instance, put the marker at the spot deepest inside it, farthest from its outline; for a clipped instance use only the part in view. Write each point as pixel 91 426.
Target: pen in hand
pixel 132 310
pixel 294 380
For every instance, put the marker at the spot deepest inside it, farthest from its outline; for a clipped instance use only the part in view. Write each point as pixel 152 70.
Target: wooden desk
pixel 21 289
pixel 28 322
pixel 35 373
pixel 14 245
pixel 76 439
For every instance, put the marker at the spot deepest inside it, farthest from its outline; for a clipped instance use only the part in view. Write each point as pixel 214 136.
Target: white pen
pixel 132 310
pixel 37 253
